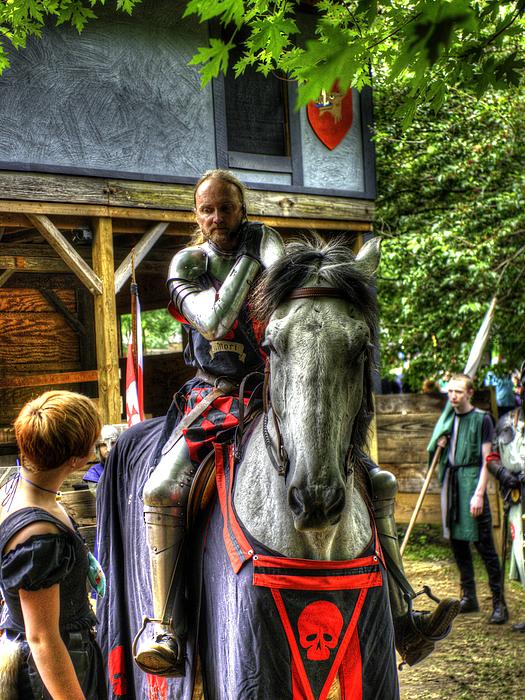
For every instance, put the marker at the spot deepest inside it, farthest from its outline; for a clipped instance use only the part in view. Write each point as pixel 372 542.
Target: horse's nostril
pixel 296 501
pixel 318 505
pixel 335 503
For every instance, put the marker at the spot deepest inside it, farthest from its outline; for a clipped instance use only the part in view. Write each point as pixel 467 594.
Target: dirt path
pixel 477 661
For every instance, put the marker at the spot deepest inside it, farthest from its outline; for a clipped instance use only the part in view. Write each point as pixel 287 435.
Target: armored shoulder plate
pixel 188 264
pixel 505 429
pixel 272 246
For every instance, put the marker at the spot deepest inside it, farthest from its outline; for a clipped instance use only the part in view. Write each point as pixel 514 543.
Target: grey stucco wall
pixel 118 97
pixel 262 176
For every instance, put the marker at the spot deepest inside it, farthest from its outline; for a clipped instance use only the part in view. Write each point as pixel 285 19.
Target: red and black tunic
pixel 232 357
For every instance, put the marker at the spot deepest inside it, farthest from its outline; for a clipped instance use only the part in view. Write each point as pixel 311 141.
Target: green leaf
pixel 127 6
pixel 214 59
pixel 509 70
pixel 272 34
pixel 227 10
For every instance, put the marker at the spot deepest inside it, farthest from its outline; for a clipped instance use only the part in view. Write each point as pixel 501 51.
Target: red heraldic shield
pixel 331 115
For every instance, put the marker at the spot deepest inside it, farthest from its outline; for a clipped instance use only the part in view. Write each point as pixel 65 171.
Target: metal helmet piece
pixel 108 437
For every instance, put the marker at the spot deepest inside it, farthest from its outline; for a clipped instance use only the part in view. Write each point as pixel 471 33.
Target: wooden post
pixel 419 503
pixel 110 403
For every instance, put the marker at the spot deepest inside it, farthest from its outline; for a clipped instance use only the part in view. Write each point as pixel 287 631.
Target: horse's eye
pixel 360 352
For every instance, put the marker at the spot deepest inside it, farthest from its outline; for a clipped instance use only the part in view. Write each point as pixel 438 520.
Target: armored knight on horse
pixel 209 284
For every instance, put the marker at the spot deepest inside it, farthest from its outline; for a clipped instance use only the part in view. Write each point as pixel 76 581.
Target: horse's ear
pixel 367 259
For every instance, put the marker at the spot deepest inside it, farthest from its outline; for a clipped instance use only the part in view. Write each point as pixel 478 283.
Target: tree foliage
pixel 451 210
pixel 160 331
pixel 428 46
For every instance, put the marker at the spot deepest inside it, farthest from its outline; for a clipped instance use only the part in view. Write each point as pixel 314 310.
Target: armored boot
pixel 163 654
pixel 415 632
pixel 500 613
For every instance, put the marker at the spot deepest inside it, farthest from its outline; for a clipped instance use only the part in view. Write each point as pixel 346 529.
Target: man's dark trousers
pixel 485 547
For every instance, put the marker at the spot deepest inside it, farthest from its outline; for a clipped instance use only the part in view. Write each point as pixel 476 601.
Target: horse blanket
pixel 296 623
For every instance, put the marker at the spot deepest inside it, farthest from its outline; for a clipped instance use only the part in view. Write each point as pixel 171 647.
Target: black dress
pixel 41 562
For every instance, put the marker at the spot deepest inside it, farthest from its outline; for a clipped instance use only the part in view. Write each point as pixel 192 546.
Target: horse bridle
pixel 280 459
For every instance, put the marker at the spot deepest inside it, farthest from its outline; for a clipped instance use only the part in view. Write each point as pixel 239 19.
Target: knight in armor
pixel 103 446
pixel 507 464
pixel 209 283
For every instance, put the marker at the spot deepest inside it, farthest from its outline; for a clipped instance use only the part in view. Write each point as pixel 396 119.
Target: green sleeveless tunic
pixel 468 462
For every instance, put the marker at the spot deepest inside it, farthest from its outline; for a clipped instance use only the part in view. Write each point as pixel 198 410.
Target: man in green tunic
pixel 466 438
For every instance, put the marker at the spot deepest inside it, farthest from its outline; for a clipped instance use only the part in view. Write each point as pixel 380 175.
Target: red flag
pixel 135 365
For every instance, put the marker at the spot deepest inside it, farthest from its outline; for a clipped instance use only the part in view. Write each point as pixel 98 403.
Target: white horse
pixel 291 587
pixel 276 627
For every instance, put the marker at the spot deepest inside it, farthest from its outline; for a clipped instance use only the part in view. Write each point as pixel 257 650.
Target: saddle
pixel 203 487
pixel 202 490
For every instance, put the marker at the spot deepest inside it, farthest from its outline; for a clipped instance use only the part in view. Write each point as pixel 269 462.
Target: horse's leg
pixel 415 632
pixel 165 500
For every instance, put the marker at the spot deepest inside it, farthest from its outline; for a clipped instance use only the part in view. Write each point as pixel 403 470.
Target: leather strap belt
pixel 309 292
pixel 191 417
pixel 223 383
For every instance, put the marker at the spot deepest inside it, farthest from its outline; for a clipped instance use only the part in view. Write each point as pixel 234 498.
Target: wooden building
pixel 102 137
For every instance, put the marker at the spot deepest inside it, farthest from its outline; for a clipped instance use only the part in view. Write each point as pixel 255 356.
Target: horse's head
pixel 320 347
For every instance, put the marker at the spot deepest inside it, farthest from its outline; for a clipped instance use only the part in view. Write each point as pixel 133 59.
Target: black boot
pixel 416 633
pixel 469 600
pixel 500 614
pixel 468 604
pixel 518 627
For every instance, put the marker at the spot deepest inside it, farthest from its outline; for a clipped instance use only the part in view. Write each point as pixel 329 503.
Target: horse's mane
pixel 331 264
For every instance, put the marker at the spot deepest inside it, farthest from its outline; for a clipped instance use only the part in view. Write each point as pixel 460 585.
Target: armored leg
pixel 415 632
pixel 161 650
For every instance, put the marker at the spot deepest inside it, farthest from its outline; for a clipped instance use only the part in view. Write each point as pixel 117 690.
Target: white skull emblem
pixel 319 625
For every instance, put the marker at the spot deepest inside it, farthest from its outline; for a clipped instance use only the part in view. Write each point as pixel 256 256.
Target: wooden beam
pixel 44 281
pixel 323 224
pixel 66 251
pixel 42 259
pixel 21 262
pixel 70 222
pixel 106 323
pixel 73 195
pixel 361 215
pixel 14 382
pixel 137 254
pixel 6 274
pixel 183 219
pixel 57 304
